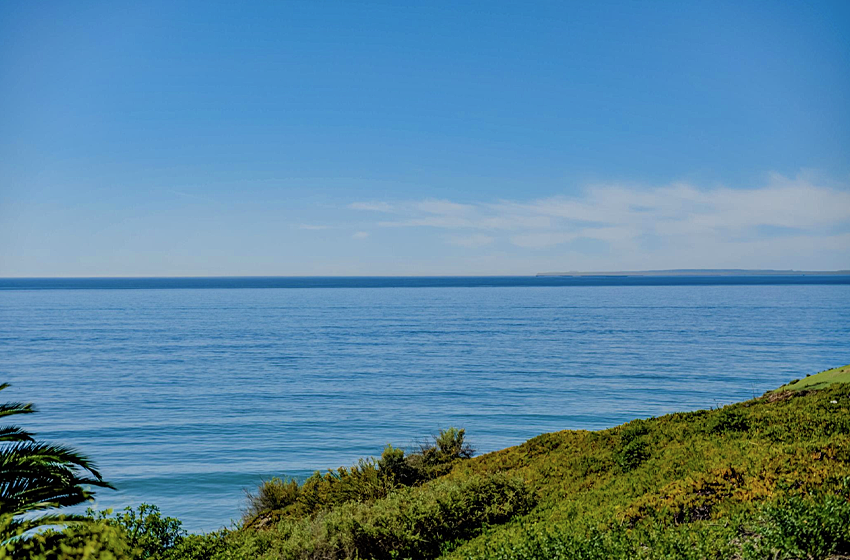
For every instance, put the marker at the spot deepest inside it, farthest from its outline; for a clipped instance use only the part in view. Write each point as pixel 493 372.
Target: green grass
pixel 703 484
pixel 819 380
pixel 765 478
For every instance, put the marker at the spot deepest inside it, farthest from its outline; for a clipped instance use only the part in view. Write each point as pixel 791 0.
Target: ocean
pixel 187 392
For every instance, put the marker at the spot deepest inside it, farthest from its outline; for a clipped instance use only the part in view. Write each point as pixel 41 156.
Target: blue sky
pixel 381 138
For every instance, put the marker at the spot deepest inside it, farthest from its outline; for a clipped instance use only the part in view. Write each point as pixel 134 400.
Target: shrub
pixel 544 542
pixel 813 527
pixel 366 481
pixel 361 483
pixel 437 457
pixel 421 523
pixel 449 446
pixel 95 540
pixel 142 534
pixel 272 495
pixel 417 522
pixel 198 547
pixel 633 430
pixel 728 420
pixel 394 465
pixel 633 450
pixel 149 533
pixel 632 455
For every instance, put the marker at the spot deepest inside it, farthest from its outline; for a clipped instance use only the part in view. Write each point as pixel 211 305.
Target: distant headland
pixel 703 272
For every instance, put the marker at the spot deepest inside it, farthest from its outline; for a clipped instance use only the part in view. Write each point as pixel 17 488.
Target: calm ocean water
pixel 186 392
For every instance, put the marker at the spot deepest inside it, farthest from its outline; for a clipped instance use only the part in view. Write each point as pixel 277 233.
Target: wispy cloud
pixel 360 235
pixel 633 220
pixel 541 240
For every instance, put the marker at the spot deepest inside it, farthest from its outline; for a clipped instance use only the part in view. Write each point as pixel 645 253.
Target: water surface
pixel 187 394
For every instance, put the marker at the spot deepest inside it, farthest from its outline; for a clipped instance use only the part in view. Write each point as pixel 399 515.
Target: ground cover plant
pixel 766 478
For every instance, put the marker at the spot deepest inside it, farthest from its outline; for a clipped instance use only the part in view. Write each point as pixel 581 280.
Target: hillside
pixel 766 478
pixel 819 380
pixel 723 483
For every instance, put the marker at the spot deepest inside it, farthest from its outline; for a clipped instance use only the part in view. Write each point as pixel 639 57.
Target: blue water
pixel 188 391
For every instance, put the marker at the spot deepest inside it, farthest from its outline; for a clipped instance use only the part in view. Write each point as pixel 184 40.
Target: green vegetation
pixel 38 477
pixel 367 481
pixel 819 380
pixel 766 478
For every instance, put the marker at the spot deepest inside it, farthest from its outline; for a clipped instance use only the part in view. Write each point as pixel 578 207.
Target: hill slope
pixel 768 477
pixel 702 484
pixel 819 380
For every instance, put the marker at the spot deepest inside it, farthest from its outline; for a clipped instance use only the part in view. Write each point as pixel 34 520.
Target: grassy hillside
pixel 766 478
pixel 705 484
pixel 819 380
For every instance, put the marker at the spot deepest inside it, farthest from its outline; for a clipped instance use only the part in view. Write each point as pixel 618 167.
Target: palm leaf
pixel 10 408
pixel 33 454
pixel 14 433
pixel 38 477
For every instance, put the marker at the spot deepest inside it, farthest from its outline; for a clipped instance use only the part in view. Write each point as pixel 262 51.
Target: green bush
pixel 149 533
pixel 727 421
pixel 436 458
pixel 95 540
pixel 804 527
pixel 140 534
pixel 810 528
pixel 632 455
pixel 272 496
pixel 198 547
pixel 394 465
pixel 544 542
pixel 633 450
pixel 422 523
pixel 417 522
pixel 633 430
pixel 449 446
pixel 368 480
pixel 360 483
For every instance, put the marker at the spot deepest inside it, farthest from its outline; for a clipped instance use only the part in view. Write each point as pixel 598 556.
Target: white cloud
pixel 444 207
pixel 541 240
pixel 678 224
pixel 448 222
pixel 360 235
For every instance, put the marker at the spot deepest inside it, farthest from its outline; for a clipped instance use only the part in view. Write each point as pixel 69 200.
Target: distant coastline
pixel 687 272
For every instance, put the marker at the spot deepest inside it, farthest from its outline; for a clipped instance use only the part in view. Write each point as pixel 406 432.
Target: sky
pixel 422 138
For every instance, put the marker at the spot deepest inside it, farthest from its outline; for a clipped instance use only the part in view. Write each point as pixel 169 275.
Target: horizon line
pixel 653 272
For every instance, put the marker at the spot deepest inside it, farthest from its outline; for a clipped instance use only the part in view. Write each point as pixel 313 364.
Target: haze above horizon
pixel 176 139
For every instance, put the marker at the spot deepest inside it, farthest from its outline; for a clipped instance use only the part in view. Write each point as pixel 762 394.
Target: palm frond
pixel 31 453
pixel 37 476
pixel 10 408
pixel 14 433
